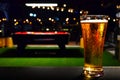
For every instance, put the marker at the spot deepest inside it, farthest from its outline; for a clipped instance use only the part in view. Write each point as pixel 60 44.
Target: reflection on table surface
pixel 54 73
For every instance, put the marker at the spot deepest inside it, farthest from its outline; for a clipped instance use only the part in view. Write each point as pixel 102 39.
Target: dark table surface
pixel 53 73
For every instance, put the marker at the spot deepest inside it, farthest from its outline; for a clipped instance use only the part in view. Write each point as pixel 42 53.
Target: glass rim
pixel 91 17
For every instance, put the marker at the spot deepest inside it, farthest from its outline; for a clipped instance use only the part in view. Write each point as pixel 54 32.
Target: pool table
pixel 24 38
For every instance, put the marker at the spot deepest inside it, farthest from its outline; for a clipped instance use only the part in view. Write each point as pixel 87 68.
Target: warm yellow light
pixel 38 19
pixel 81 11
pixel 38 6
pixel 67 19
pixel 33 7
pixel 48 8
pixel 58 9
pixel 52 8
pixel 16 23
pixel 67 22
pixel 41 23
pixel 47 29
pixel 69 10
pixel 118 6
pixel 64 5
pixel 43 7
pixel 114 20
pixel 41 4
pixel 24 22
pixel 27 20
pixel 74 18
pixel 50 19
pixel 15 20
pixel 117 19
pixel 4 19
pixel 77 22
pixel 109 18
pixel 30 22
pixel 62 9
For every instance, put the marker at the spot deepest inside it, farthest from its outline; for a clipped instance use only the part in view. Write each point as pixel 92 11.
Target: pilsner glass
pixel 93 33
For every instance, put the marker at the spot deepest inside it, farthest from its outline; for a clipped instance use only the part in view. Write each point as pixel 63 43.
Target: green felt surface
pixel 108 59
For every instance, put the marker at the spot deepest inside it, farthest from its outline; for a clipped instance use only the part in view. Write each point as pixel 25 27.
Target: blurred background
pixel 66 14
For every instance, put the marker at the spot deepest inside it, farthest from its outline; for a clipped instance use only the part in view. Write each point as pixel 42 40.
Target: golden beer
pixel 93 33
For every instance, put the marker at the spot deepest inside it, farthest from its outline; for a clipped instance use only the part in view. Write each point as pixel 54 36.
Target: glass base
pixel 93 73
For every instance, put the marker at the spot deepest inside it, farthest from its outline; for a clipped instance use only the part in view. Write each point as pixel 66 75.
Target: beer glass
pixel 93 33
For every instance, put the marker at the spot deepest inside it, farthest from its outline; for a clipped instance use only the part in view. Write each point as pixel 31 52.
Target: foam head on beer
pixel 94 21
